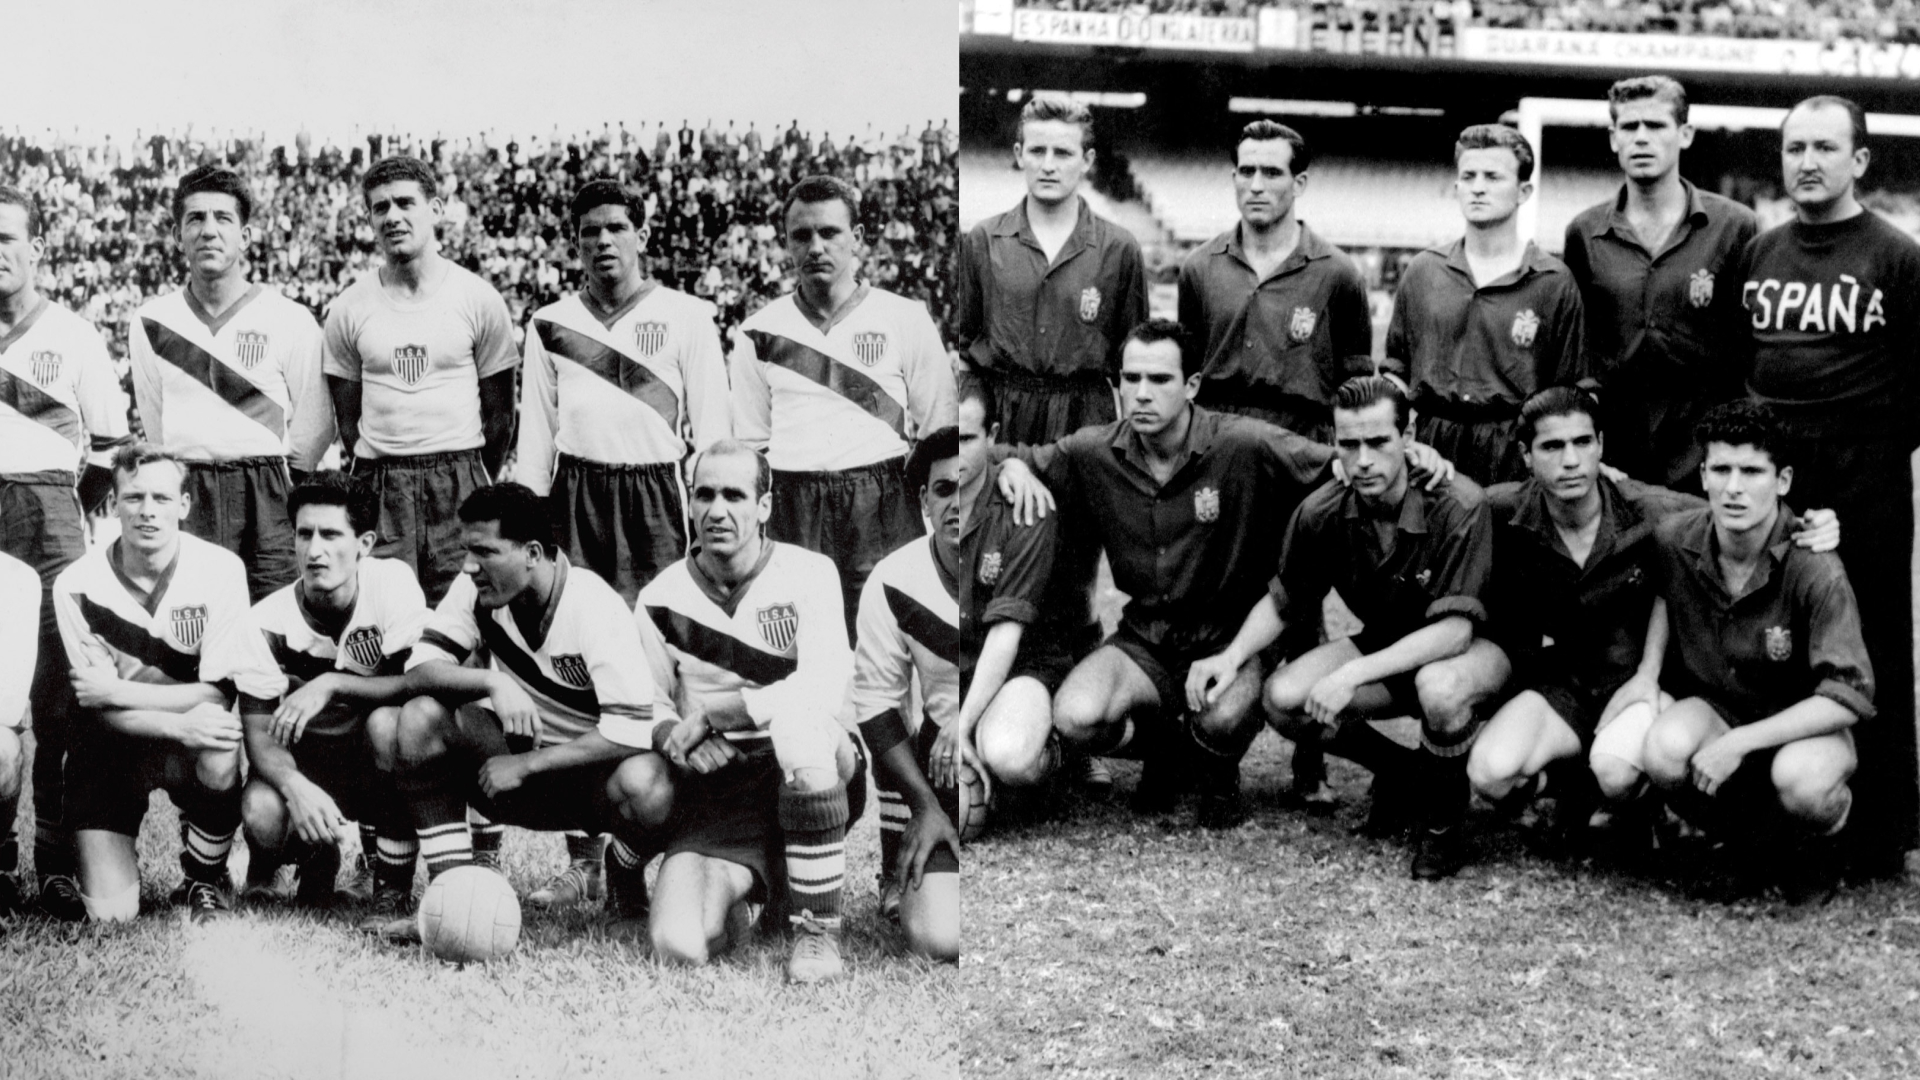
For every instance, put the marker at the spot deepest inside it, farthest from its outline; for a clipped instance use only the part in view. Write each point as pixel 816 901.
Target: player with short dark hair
pixel 834 382
pixel 1480 325
pixel 754 779
pixel 1283 313
pixel 226 373
pixel 1833 334
pixel 61 415
pixel 145 621
pixel 1656 266
pixel 19 651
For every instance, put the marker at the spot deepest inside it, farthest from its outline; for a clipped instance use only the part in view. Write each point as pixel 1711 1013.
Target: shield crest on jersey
pixel 1779 644
pixel 571 668
pixel 649 337
pixel 1300 327
pixel 250 347
pixel 45 366
pixel 989 568
pixel 1700 288
pixel 410 363
pixel 1206 504
pixel 870 347
pixel 1089 304
pixel 1526 327
pixel 189 624
pixel 778 624
pixel 363 647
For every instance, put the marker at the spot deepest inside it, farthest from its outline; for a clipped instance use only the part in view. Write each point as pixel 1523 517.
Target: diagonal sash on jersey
pixel 528 670
pixel 305 667
pixel 131 639
pixel 939 636
pixel 720 649
pixel 815 366
pixel 614 366
pixel 39 406
pixel 209 371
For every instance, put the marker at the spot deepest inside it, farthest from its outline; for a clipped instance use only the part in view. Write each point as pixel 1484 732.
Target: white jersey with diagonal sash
pixel 850 396
pixel 282 651
pixel 779 640
pixel 585 672
pixel 170 635
pixel 19 636
pixel 60 399
pixel 245 383
pixel 637 391
pixel 909 622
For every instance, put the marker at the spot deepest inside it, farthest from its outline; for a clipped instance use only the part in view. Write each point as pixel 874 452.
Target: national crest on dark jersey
pixel 363 647
pixel 189 624
pixel 410 363
pixel 1779 644
pixel 44 366
pixel 649 337
pixel 778 625
pixel 571 668
pixel 869 347
pixel 250 347
pixel 1206 505
pixel 1526 327
pixel 1700 288
pixel 1300 327
pixel 990 568
pixel 1089 304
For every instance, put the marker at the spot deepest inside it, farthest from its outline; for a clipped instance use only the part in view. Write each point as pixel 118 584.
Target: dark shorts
pixel 41 524
pixel 1577 703
pixel 241 505
pixel 1486 451
pixel 343 767
pixel 624 522
pixel 1038 409
pixel 420 499
pixel 569 800
pixel 109 776
pixel 1048 652
pixel 1400 688
pixel 856 517
pixel 734 815
pixel 1299 415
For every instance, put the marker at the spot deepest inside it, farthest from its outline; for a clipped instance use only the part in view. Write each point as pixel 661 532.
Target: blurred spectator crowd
pixel 713 199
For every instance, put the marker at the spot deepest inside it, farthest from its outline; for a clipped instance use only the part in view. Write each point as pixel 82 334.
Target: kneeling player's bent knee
pixel 383 734
pixel 641 789
pixel 1674 737
pixel 264 814
pixel 1012 736
pixel 678 940
pixel 1811 778
pixel 422 729
pixel 218 770
pixel 1285 695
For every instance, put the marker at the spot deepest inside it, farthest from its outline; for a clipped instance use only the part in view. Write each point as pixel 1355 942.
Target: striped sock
pixel 445 847
pixel 9 843
pixel 487 837
pixel 203 853
pixel 815 823
pixel 894 815
pixel 369 841
pixel 393 861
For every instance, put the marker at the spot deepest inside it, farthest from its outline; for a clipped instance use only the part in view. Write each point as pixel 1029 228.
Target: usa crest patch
pixel 1206 504
pixel 363 648
pixel 249 347
pixel 1779 644
pixel 778 625
pixel 1526 327
pixel 869 347
pixel 649 337
pixel 189 624
pixel 410 363
pixel 1089 304
pixel 989 568
pixel 571 668
pixel 1700 288
pixel 45 366
pixel 1300 327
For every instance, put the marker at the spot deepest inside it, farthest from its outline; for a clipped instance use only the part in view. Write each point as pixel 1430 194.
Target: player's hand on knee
pixel 95 687
pixel 503 773
pixel 516 710
pixel 712 755
pixel 315 817
pixel 1641 689
pixel 1713 763
pixel 300 707
pixel 1427 468
pixel 1329 698
pixel 686 733
pixel 1030 498
pixel 1817 530
pixel 926 830
pixel 208 727
pixel 1207 679
pixel 943 761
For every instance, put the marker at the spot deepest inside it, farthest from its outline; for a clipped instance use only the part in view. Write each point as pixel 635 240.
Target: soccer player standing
pixel 226 374
pixel 419 360
pixel 19 649
pixel 1835 332
pixel 1480 326
pixel 1658 269
pixel 1283 311
pixel 835 381
pixel 62 414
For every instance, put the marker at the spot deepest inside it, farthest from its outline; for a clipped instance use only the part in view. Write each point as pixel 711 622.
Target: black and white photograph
pixel 478 528
pixel 1439 548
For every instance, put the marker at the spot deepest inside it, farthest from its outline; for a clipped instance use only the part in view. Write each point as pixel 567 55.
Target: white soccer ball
pixel 469 914
pixel 973 804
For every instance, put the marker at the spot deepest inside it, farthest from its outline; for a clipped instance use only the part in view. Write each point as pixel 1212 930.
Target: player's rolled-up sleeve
pixel 1464 566
pixel 244 660
pixel 623 685
pixel 1836 649
pixel 1026 565
pixel 493 348
pixel 339 353
pixel 407 607
pixel 230 630
pixel 1301 582
pixel 450 634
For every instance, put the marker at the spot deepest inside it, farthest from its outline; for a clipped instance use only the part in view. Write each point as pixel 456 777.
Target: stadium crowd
pixel 712 196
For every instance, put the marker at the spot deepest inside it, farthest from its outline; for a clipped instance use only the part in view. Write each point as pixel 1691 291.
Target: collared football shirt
pixel 1301 331
pixel 244 384
pixel 19 636
pixel 1794 632
pixel 173 634
pixel 1496 344
pixel 1020 312
pixel 1005 572
pixel 60 401
pixel 909 624
pixel 1194 554
pixel 648 387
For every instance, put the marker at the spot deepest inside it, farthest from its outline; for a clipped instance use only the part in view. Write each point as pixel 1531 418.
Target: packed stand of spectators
pixel 713 197
pixel 1891 21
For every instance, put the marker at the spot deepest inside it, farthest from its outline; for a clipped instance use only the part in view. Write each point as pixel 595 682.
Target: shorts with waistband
pixel 856 517
pixel 241 505
pixel 420 499
pixel 1035 409
pixel 624 522
pixel 1302 416
pixel 1480 439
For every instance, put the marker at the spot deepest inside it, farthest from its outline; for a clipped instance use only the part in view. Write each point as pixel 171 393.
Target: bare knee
pixel 1668 752
pixel 1446 696
pixel 1493 768
pixel 218 770
pixel 1812 785
pixel 679 941
pixel 422 730
pixel 1616 777
pixel 264 813
pixel 1285 697
pixel 383 734
pixel 1079 714
pixel 642 790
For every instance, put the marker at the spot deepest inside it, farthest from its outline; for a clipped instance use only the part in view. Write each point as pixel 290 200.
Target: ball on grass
pixel 973 804
pixel 469 914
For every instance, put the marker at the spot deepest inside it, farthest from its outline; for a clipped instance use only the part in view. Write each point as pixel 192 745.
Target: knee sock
pixel 894 815
pixel 52 847
pixel 208 820
pixel 1366 746
pixel 1309 766
pixel 369 842
pixel 393 859
pixel 583 847
pixel 815 823
pixel 9 843
pixel 1444 790
pixel 439 812
pixel 487 837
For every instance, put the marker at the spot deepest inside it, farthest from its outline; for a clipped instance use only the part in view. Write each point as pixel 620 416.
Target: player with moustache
pixel 1834 330
pixel 1482 324
pixel 145 620
pixel 320 670
pixel 1413 565
pixel 1575 605
pixel 19 651
pixel 755 778
pixel 1766 662
pixel 835 382
pixel 1658 267
pixel 62 414
pixel 226 373
pixel 910 629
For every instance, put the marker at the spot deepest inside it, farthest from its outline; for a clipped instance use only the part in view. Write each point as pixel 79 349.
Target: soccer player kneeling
pixel 143 619
pixel 747 639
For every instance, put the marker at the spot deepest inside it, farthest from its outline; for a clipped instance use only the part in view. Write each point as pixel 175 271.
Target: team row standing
pixel 832 384
pixel 1667 303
